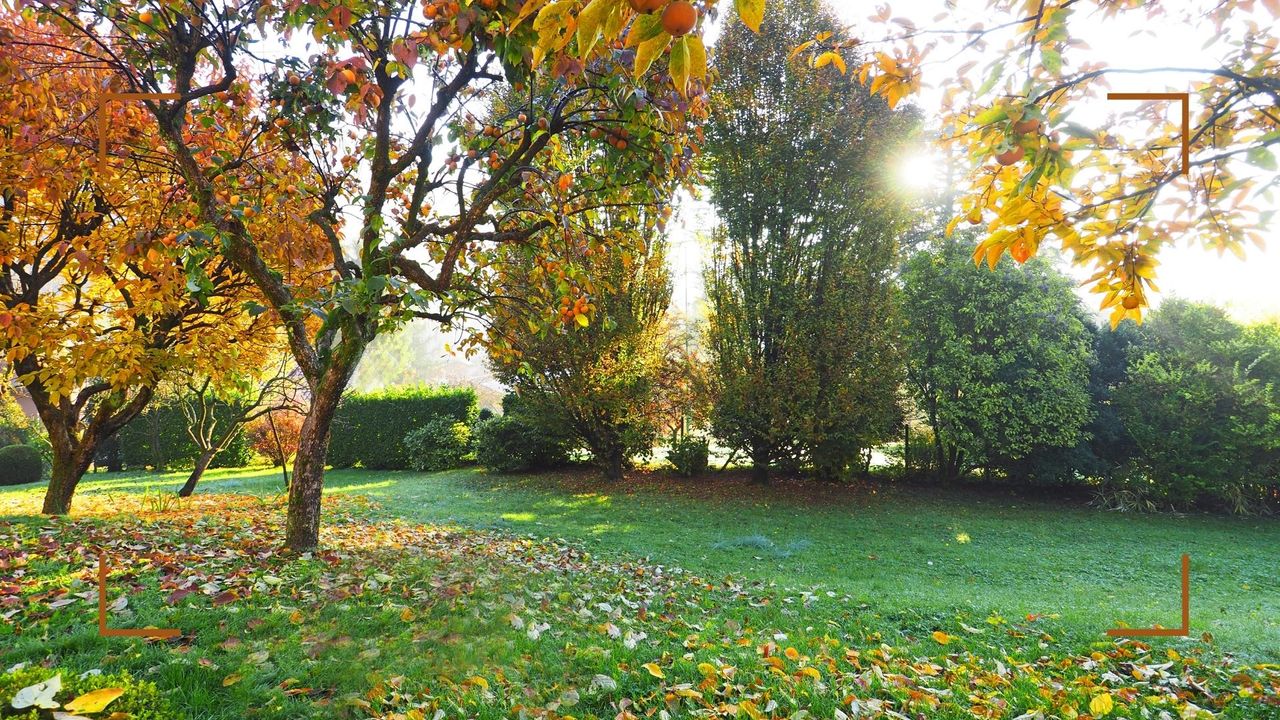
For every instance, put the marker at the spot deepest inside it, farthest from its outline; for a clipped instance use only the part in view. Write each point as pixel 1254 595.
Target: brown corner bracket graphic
pixel 1183 631
pixel 1185 99
pixel 103 630
pixel 102 117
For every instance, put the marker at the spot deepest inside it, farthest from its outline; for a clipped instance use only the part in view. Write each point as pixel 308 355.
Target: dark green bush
pixel 508 443
pixel 158 439
pixel 441 444
pixel 141 699
pixel 1201 402
pixel 19 464
pixel 689 455
pixel 369 429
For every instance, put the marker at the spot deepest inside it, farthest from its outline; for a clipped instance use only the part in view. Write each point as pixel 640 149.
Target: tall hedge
pixel 369 429
pixel 158 439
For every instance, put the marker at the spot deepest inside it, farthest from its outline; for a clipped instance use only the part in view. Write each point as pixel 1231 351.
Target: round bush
pixel 689 456
pixel 509 444
pixel 441 444
pixel 19 464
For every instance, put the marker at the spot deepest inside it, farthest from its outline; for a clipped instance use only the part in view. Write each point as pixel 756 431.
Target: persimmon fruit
pixel 679 18
pixel 1010 157
pixel 1029 125
pixel 1130 303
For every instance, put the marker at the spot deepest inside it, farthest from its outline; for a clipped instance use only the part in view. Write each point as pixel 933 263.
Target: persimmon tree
pixel 1111 197
pixel 99 300
pixel 407 183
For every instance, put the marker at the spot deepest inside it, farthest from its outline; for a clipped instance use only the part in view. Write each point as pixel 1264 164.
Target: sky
pixel 1249 288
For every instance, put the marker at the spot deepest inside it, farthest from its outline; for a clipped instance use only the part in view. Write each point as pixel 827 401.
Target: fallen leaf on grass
pixel 654 670
pixel 96 701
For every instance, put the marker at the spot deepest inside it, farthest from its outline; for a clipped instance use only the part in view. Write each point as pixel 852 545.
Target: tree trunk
pixel 760 464
pixel 615 466
pixel 202 464
pixel 302 532
pixel 70 463
pixel 906 450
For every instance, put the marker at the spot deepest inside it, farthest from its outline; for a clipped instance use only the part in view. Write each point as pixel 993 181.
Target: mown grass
pixel 812 565
pixel 912 550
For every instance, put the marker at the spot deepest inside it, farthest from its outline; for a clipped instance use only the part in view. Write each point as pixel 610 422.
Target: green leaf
pixel 645 28
pixel 990 115
pixel 751 12
pixel 1261 157
pixel 992 77
pixel 1051 59
pixel 1078 130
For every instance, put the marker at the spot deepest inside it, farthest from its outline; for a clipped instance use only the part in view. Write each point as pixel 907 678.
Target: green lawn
pixel 471 564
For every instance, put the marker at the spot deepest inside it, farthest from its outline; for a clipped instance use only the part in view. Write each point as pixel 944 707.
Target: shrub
pixel 141 700
pixel 508 443
pixel 15 427
pixel 441 444
pixel 262 438
pixel 369 429
pixel 19 464
pixel 689 455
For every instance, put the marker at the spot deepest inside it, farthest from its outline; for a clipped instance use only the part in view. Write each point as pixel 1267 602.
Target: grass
pixel 473 565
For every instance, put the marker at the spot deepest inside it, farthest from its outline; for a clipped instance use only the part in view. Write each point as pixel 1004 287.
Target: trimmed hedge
pixel 369 429
pixel 19 464
pixel 158 438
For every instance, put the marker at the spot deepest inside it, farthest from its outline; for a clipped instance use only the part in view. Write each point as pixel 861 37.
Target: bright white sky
pixel 1249 289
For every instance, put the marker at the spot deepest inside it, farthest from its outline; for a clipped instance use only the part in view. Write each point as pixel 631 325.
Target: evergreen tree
pixel 802 333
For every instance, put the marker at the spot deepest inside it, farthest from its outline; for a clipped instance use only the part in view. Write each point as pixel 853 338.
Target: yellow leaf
pixel 800 48
pixel 831 58
pixel 96 701
pixel 231 679
pixel 697 57
pixel 811 672
pixel 589 21
pixel 751 12
pixel 941 638
pixel 791 653
pixel 1101 705
pixel 750 709
pixel 479 681
pixel 648 51
pixel 951 226
pixel 678 66
pixel 583 320
pixel 707 669
pixel 654 670
pixel 407 615
pixel 296 617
